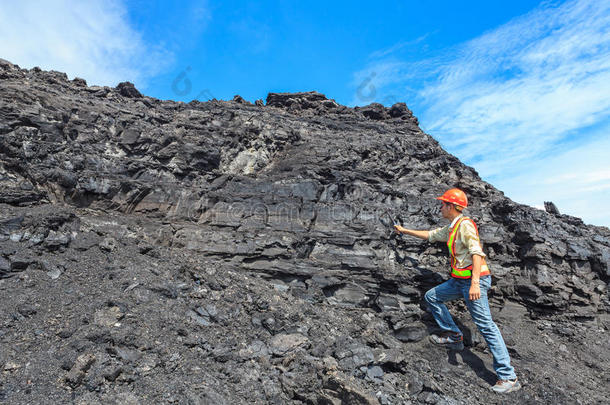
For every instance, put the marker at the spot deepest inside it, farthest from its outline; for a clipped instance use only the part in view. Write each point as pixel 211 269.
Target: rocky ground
pixel 227 252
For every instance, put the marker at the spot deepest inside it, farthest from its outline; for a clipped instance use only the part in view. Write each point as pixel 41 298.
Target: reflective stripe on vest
pixel 465 272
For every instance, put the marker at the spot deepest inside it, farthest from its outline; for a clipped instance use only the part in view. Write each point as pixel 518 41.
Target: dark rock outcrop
pixel 127 89
pixel 551 208
pixel 225 252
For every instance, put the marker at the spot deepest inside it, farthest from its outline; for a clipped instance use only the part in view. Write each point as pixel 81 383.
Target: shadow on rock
pixel 474 362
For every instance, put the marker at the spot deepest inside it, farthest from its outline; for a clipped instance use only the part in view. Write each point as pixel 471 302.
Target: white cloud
pixel 515 96
pixel 88 39
pixel 576 180
pixel 396 47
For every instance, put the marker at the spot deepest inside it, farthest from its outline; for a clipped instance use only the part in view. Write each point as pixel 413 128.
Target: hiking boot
pixel 506 386
pixel 450 339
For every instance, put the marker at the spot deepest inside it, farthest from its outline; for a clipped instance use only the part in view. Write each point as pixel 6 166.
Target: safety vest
pixel 465 272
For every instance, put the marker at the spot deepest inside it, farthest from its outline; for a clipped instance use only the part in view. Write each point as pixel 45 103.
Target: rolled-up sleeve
pixel 439 234
pixel 470 238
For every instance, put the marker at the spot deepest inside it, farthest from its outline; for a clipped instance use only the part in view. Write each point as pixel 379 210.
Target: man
pixel 470 279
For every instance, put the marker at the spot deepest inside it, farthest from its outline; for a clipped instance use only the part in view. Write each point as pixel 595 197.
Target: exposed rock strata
pixel 225 252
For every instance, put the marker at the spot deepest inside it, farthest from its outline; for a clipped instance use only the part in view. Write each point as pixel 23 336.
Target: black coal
pixel 226 252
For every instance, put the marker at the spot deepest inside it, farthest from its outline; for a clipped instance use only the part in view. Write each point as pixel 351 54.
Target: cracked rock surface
pixel 226 252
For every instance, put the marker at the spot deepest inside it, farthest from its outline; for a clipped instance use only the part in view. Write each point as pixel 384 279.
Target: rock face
pixel 228 252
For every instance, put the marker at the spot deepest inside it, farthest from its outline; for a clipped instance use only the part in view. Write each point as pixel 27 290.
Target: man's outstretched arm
pixel 418 234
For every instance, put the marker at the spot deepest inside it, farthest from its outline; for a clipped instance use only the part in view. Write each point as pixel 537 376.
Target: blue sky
pixel 519 90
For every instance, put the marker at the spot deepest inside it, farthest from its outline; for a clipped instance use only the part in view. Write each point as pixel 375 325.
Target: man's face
pixel 445 208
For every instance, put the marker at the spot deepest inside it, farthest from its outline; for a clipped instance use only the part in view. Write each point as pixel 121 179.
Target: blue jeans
pixel 455 288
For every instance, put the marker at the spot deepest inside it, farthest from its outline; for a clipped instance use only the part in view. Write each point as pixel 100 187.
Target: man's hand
pixel 399 229
pixel 475 292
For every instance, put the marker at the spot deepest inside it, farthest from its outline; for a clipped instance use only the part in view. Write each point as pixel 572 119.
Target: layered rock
pixel 255 239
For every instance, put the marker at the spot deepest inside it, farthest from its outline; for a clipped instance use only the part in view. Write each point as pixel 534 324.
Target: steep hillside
pixel 223 252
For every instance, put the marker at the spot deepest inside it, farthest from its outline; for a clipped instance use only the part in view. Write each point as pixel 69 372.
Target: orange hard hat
pixel 454 196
